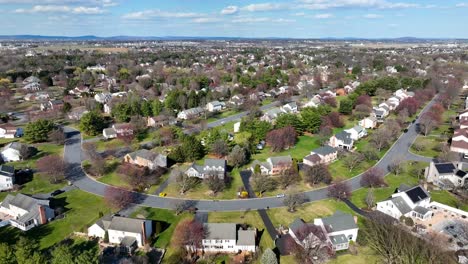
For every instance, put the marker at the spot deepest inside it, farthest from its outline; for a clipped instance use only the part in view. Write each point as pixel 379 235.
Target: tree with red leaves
pixel 118 198
pixel 339 190
pixel 331 101
pixel 189 234
pixel 410 104
pixel 364 100
pixel 312 245
pixel 52 167
pixel 336 120
pixel 374 177
pixel 281 138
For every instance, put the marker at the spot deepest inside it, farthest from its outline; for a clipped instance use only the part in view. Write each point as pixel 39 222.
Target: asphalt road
pixel 73 156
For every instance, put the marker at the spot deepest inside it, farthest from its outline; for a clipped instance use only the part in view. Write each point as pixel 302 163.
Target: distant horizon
pixel 298 19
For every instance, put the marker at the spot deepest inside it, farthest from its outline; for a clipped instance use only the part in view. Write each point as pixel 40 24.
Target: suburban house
pixel 160 121
pixel 446 175
pixel 215 106
pixel 271 115
pixel 79 90
pixel 228 238
pixel 146 158
pixel 36 96
pixel 290 108
pixel 52 105
pixel 211 167
pixel 237 100
pixel 380 112
pixel 128 233
pixel 322 155
pixel 342 140
pixel 368 122
pixel 340 229
pixel 77 113
pixel 32 83
pixel 407 201
pixel 460 141
pixel 102 97
pixel 12 151
pixel 314 102
pixel 357 132
pixel 26 212
pixel 118 130
pixel 7 177
pixel 273 165
pixel 9 131
pixel 190 113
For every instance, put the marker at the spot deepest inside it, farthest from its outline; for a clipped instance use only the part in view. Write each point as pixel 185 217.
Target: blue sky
pixel 242 18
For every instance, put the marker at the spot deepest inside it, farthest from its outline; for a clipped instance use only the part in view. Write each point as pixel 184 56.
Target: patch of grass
pixel 445 197
pixel 168 221
pixel 429 143
pixel 364 255
pixel 115 143
pixel 407 177
pixel 43 149
pixel 303 146
pixel 113 179
pixel 81 210
pixel 307 212
pixel 250 218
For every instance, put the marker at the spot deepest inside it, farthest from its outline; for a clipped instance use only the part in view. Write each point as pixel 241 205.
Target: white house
pixel 368 122
pixel 290 108
pixel 411 202
pixel 103 97
pixel 460 141
pixel 322 155
pixel 357 132
pixel 129 233
pixel 190 113
pixel 340 229
pixel 9 131
pixel 210 167
pixel 446 175
pixel 26 212
pixel 7 177
pixel 271 115
pixel 273 165
pixel 215 106
pixel 226 237
pixel 342 140
pixel 12 151
pixel 237 127
pixel 314 102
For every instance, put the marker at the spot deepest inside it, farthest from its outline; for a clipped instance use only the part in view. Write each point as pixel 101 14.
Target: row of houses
pixel 460 136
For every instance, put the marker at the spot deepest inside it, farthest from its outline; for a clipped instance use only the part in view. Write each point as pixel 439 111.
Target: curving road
pixel 73 156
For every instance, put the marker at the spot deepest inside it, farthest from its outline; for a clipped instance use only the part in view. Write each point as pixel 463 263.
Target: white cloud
pixel 378 4
pixel 230 10
pixel 104 3
pixel 300 14
pixel 151 14
pixel 372 16
pixel 261 19
pixel 206 20
pixel 79 10
pixel 462 5
pixel 323 16
pixel 264 7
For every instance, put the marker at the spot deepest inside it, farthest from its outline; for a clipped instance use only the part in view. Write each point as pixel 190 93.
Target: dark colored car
pixel 56 192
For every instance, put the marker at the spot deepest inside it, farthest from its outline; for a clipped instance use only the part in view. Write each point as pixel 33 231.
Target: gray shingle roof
pixel 246 237
pixel 8 171
pixel 131 225
pixel 215 162
pixel 297 224
pixel 339 239
pixel 401 205
pixel 345 137
pixel 421 210
pixel 325 150
pixel 339 221
pixel 221 231
pixel 281 160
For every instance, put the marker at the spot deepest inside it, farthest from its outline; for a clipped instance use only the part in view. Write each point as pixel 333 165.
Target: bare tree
pixel 339 190
pixel 185 182
pixel 293 201
pixel 263 183
pixel 396 167
pixel 352 160
pixel 380 138
pixel 370 198
pixel 52 167
pixel 374 177
pixel 215 183
pixel 317 174
pixel 118 198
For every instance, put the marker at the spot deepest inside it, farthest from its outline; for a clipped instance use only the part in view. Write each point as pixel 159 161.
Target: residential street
pixel 73 156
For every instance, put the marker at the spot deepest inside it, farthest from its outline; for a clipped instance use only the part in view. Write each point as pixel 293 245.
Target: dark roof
pixel 345 137
pixel 403 187
pixel 460 173
pixel 417 194
pixel 314 158
pixel 297 224
pixel 128 241
pixel 325 150
pixel 6 170
pixel 421 210
pixel 339 221
pixel 131 225
pixel 445 168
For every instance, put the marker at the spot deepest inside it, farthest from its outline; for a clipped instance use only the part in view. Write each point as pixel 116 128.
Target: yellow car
pixel 163 194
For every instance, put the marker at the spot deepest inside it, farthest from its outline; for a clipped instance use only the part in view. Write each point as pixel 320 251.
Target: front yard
pixel 427 146
pixel 304 145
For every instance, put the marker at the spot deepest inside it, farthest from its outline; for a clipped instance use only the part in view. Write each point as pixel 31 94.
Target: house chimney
pixel 42 215
pixel 355 219
pixel 143 230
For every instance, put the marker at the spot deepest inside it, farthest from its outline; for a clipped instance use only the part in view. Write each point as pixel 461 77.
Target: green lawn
pixel 430 144
pixel 251 218
pixel 113 179
pixel 82 210
pixel 444 197
pixel 115 143
pixel 393 181
pixel 309 211
pixel 364 255
pixel 221 115
pixel 44 149
pixel 168 221
pixel 303 146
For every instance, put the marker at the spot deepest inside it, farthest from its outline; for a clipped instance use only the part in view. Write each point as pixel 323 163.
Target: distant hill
pixel 155 38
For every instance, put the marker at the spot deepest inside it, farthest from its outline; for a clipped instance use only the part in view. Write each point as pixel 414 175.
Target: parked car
pixel 280 195
pixel 163 194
